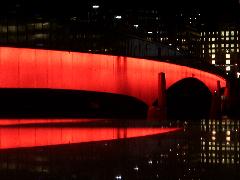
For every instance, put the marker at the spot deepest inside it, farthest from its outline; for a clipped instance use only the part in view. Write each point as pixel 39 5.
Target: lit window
pixel 232 45
pixel 118 17
pixel 202 46
pixel 228 68
pixel 222 45
pixel 237 50
pixel 238 74
pixel 213 50
pixel 232 33
pixel 209 39
pixel 135 25
pixel 237 45
pixel 227 33
pixel 227 56
pixel 232 50
pixel 203 51
pixel 213 45
pixel 227 61
pixel 232 38
pixel 201 33
pixel 203 39
pixel 213 56
pixel 150 32
pixel 227 45
pixel 227 38
pixel 95 6
pixel 209 51
pixel 222 33
pixel 213 61
pixel 213 39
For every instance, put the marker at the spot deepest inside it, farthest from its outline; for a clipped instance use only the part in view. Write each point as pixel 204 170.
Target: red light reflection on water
pixel 17 137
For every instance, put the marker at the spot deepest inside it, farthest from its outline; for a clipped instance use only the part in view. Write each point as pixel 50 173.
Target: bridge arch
pixel 188 98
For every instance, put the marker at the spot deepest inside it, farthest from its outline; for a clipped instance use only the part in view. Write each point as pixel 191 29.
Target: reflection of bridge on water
pixel 146 80
pixel 44 132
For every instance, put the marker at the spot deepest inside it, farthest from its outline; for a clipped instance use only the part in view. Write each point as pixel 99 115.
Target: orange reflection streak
pixel 7 122
pixel 18 137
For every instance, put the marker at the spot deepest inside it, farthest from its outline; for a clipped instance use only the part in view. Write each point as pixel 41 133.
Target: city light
pixel 135 25
pixel 95 6
pixel 118 17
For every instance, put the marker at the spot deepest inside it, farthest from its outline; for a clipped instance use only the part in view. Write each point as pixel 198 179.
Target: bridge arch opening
pixel 188 99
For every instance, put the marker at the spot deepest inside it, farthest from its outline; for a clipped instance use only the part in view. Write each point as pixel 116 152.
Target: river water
pixel 118 149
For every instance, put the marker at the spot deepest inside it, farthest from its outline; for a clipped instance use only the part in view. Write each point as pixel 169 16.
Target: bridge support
pixel 216 103
pixel 226 99
pixel 159 112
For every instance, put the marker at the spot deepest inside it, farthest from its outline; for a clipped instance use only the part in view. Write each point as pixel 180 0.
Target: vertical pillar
pixel 162 96
pixel 159 112
pixel 226 104
pixel 216 105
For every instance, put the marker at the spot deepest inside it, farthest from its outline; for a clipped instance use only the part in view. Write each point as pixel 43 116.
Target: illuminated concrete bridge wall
pixel 35 68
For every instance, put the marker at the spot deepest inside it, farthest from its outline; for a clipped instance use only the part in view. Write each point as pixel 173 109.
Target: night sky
pixel 211 9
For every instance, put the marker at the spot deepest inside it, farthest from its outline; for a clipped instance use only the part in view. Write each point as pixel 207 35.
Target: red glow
pixel 40 136
pixel 34 68
pixel 13 122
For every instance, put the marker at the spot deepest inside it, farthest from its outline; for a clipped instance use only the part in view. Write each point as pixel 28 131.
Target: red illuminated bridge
pixel 35 68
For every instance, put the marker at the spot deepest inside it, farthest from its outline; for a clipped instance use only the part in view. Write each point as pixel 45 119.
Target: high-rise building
pixel 221 48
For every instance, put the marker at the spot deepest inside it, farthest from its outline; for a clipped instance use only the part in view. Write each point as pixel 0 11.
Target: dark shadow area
pixel 49 103
pixel 233 101
pixel 188 99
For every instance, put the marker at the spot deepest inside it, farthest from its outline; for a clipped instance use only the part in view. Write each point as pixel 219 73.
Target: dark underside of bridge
pixel 188 99
pixel 49 103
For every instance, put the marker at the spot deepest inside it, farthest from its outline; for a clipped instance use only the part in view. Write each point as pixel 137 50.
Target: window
pixel 213 61
pixel 213 56
pixel 227 38
pixel 227 61
pixel 227 45
pixel 232 38
pixel 227 69
pixel 232 33
pixel 213 39
pixel 222 33
pixel 213 45
pixel 232 45
pixel 227 56
pixel 227 33
pixel 213 50
pixel 222 45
